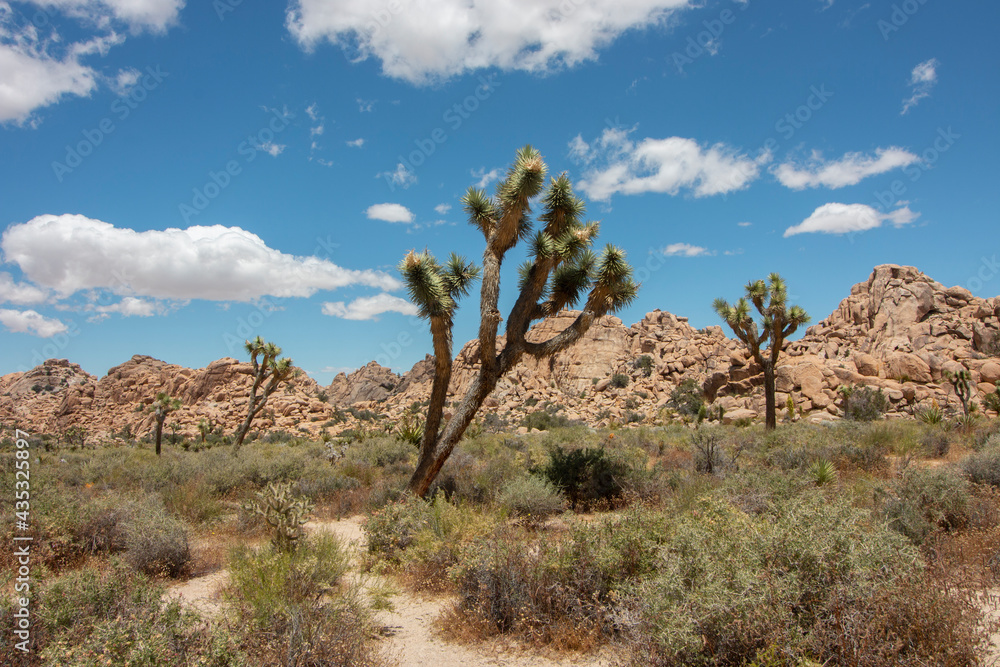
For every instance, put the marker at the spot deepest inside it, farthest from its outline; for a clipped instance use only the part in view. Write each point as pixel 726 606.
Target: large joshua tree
pixel 778 322
pixel 560 270
pixel 162 406
pixel 268 372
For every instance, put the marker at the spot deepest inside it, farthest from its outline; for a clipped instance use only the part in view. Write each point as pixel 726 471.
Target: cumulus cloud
pixel 273 149
pixel 369 307
pixel 442 209
pixel 38 67
pixel 837 218
pixel 30 322
pixel 662 165
pixel 686 250
pixel 21 294
pixel 72 253
pixel 848 170
pixel 922 79
pixel 130 306
pixel 389 213
pixel 448 37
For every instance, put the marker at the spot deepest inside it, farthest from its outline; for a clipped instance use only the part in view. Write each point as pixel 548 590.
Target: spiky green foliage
pixel 268 372
pixel 162 406
pixel 560 272
pixel 778 321
pixel 283 511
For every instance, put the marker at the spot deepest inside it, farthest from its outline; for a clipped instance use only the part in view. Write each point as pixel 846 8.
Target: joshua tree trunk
pixel 269 367
pixel 770 409
pixel 159 432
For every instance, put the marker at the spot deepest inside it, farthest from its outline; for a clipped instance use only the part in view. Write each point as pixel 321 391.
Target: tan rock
pixel 866 364
pixel 903 365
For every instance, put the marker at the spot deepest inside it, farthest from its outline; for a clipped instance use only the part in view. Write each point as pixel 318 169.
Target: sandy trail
pixel 408 627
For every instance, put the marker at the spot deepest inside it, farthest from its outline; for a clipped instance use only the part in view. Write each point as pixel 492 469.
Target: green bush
pixel 620 380
pixel 983 467
pixel 544 420
pixel 584 475
pixel 925 499
pixel 393 528
pixel 531 496
pixel 645 364
pixel 687 398
pixel 864 403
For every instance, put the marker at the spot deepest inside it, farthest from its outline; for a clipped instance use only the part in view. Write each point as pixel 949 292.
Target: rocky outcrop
pixel 899 331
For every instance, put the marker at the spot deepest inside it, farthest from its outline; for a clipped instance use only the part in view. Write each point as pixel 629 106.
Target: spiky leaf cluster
pixel 778 320
pixel 435 288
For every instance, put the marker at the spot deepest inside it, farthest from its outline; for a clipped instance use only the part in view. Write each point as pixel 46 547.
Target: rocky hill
pixel 899 330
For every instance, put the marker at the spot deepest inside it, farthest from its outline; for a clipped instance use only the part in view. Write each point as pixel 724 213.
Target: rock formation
pixel 899 331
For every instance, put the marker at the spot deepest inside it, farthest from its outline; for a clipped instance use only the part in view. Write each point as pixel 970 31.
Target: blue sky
pixel 176 177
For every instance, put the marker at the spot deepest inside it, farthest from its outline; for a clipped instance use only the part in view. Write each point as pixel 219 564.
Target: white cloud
pixel 38 70
pixel 922 79
pixel 21 294
pixel 365 106
pixel 152 15
pixel 664 165
pixel 579 149
pixel 30 322
pixel 317 131
pixel 443 38
pixel 356 143
pixel 312 111
pixel 442 209
pixel 848 170
pixel 389 213
pixel 744 224
pixel 485 177
pixel 369 307
pixel 686 250
pixel 73 253
pixel 124 81
pixel 837 218
pixel 401 176
pixel 273 149
pixel 131 307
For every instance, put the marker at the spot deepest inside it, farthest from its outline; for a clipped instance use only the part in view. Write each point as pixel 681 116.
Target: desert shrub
pixel 728 585
pixel 544 420
pixel 379 452
pixel 584 475
pixel 991 401
pixel 295 608
pixel 935 443
pixel 864 403
pixel 112 616
pixel 709 456
pixel 931 414
pixel 687 398
pixel 192 501
pixel 391 529
pixel 925 499
pixel 983 467
pixel 620 380
pixel 531 496
pixel 645 364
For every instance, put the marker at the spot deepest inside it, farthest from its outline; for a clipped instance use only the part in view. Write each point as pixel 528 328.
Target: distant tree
pixel 204 428
pixel 268 372
pixel 162 406
pixel 560 271
pixel 778 322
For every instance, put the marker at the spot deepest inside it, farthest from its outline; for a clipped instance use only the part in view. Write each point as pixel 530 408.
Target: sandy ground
pixel 408 627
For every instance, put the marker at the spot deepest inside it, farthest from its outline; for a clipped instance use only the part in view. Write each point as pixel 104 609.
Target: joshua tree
pixel 560 270
pixel 962 382
pixel 162 406
pixel 779 321
pixel 268 372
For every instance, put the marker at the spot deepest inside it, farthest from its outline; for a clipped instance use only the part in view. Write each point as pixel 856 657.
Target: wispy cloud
pixel 356 143
pixel 848 170
pixel 400 176
pixel 485 177
pixel 923 78
pixel 369 307
pixel 686 250
pixel 442 209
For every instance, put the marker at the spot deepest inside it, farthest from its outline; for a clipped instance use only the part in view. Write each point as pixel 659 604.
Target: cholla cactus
pixel 266 366
pixel 778 322
pixel 962 382
pixel 560 272
pixel 284 512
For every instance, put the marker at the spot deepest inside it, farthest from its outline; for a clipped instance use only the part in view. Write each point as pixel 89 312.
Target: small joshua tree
pixel 778 322
pixel 560 271
pixel 162 406
pixel 268 372
pixel 962 382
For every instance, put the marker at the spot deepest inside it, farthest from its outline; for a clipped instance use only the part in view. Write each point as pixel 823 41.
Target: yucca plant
pixel 410 429
pixel 823 472
pixel 778 322
pixel 962 382
pixel 268 372
pixel 162 406
pixel 931 414
pixel 283 511
pixel 561 271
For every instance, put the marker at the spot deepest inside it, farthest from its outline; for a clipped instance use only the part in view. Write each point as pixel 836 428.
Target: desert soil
pixel 408 627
